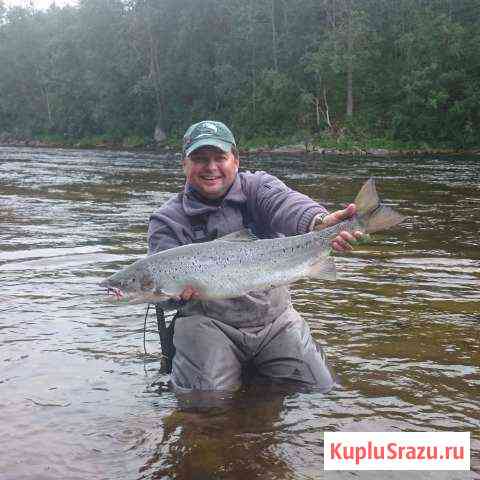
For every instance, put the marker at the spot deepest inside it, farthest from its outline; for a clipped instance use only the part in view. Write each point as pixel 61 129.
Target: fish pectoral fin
pixel 323 269
pixel 243 235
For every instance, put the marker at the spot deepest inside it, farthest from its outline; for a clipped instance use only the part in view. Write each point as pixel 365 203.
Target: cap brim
pixel 209 142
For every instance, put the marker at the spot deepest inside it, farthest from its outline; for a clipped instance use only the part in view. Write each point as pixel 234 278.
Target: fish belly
pixel 231 269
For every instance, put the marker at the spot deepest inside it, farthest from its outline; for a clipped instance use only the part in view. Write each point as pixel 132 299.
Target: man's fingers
pixel 344 240
pixel 184 296
pixel 336 246
pixel 339 215
pixel 347 236
pixel 340 245
pixel 188 293
pixel 349 211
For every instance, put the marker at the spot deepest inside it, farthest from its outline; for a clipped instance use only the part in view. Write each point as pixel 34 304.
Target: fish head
pixel 134 284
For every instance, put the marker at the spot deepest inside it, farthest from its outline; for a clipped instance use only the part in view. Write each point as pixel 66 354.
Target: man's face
pixel 210 171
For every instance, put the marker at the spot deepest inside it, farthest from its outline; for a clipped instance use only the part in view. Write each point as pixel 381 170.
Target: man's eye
pixel 199 160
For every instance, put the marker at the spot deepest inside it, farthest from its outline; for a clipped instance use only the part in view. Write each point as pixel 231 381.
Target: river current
pixel 80 399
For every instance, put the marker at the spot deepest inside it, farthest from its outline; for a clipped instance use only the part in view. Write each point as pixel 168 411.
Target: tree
pixel 437 100
pixel 407 69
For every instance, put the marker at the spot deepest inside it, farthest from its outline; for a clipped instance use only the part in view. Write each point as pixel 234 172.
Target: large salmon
pixel 238 263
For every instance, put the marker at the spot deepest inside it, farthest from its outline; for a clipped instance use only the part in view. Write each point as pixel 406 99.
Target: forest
pixel 386 71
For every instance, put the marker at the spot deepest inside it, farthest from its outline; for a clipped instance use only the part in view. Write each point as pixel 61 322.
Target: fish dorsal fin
pixel 243 235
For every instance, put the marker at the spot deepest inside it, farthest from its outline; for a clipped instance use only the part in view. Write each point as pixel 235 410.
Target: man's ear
pixel 236 156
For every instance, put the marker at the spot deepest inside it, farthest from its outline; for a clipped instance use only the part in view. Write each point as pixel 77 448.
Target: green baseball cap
pixel 208 132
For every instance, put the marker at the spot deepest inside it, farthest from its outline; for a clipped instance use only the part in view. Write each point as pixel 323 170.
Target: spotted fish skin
pixel 239 263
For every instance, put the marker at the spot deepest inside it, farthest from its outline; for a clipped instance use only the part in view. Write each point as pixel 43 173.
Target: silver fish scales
pixel 238 263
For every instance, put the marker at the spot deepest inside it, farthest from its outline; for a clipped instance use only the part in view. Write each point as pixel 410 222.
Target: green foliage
pixel 257 141
pixel 55 139
pixel 134 141
pixel 355 142
pixel 276 97
pixel 436 94
pixel 345 72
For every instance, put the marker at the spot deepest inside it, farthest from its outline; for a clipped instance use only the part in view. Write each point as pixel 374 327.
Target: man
pixel 214 340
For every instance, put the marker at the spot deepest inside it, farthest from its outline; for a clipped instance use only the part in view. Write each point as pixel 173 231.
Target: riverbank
pixel 264 146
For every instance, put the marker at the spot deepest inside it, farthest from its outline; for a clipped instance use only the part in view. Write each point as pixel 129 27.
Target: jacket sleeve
pixel 160 235
pixel 285 210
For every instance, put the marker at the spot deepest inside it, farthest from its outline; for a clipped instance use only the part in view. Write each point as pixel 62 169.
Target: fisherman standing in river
pixel 215 339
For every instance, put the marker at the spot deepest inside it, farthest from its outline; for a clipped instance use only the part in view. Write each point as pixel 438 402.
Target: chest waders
pixel 200 233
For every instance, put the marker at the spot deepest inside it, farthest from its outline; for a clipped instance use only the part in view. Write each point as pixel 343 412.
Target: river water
pixel 79 398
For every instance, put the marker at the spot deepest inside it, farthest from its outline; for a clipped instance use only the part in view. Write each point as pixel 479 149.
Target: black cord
pixel 145 330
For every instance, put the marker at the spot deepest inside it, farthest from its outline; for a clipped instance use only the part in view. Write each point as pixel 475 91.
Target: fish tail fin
pixel 373 215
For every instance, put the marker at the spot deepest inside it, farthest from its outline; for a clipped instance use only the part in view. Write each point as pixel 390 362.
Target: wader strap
pixel 199 228
pixel 166 340
pixel 247 219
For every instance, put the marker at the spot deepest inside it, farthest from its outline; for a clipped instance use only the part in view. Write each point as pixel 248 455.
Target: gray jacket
pixel 256 200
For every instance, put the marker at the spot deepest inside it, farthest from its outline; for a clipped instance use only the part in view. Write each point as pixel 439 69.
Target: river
pixel 79 398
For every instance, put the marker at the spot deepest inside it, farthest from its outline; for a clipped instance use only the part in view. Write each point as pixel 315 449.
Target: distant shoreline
pixel 294 150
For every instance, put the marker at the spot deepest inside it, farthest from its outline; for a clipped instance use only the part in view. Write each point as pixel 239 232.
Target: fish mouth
pixel 115 292
pixel 111 290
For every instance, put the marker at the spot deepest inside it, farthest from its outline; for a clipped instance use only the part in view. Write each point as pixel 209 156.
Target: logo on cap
pixel 207 127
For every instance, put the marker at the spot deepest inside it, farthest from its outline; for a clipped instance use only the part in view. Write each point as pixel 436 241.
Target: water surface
pixel 80 399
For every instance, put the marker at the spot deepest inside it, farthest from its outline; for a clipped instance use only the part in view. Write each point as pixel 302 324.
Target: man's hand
pixel 189 293
pixel 344 240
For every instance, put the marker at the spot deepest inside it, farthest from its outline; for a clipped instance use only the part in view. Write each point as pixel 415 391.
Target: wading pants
pixel 210 354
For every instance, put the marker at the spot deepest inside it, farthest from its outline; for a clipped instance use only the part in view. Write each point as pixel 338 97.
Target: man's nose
pixel 210 164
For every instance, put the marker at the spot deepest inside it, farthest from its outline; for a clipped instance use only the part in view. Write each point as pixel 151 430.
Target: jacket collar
pixel 194 204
